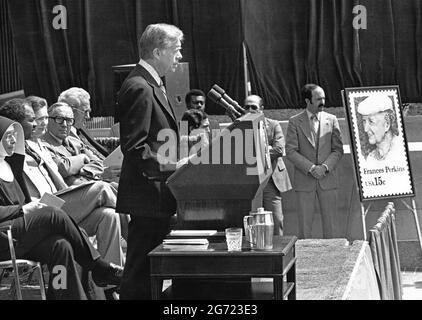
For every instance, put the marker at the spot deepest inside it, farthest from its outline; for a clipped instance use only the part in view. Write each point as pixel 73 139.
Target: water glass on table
pixel 234 239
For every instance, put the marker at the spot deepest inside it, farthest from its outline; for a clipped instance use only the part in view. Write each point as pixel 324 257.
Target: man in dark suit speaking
pixel 145 113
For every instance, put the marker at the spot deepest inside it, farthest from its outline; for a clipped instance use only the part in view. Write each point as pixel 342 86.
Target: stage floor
pixel 412 284
pixel 335 270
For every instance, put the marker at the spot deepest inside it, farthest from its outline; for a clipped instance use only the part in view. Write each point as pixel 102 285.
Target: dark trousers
pixel 144 235
pixel 50 236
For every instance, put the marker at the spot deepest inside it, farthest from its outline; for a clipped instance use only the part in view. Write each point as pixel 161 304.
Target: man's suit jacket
pixel 275 136
pixel 71 166
pixel 51 168
pixel 86 138
pixel 144 112
pixel 301 150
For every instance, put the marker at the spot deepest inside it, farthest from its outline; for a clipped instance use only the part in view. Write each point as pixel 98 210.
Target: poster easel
pixel 379 147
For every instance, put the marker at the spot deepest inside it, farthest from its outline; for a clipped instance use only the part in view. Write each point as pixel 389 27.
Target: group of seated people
pixel 47 150
pixel 44 150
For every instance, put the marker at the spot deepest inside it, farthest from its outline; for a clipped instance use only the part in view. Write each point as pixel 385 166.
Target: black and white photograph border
pixel 376 123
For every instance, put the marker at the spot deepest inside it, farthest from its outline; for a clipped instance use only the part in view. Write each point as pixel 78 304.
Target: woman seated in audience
pixel 44 233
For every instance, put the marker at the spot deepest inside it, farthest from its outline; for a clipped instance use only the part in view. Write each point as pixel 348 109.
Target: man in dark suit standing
pixel 145 115
pixel 314 146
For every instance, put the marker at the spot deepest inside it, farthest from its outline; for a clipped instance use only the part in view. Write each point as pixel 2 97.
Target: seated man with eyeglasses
pixel 77 163
pixel 91 205
pixel 79 100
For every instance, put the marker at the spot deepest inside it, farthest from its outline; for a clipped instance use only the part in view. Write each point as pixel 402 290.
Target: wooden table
pixel 218 263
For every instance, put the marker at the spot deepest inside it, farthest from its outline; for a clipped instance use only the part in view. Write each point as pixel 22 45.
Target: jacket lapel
pixel 55 146
pixel 31 178
pixel 270 131
pixel 56 177
pixel 54 174
pixel 306 128
pixel 325 125
pixel 158 94
pixel 52 170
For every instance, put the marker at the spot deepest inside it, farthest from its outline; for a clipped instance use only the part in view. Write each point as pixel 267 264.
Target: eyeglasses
pixel 251 107
pixel 11 135
pixel 60 120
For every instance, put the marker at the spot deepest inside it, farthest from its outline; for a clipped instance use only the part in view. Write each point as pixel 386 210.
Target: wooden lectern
pixel 224 182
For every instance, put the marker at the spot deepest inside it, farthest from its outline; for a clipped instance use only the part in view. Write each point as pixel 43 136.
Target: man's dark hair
pixel 193 93
pixel 36 103
pixel 56 106
pixel 194 118
pixel 14 110
pixel 307 90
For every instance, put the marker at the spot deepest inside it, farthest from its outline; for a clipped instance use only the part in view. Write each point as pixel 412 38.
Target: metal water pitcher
pixel 259 229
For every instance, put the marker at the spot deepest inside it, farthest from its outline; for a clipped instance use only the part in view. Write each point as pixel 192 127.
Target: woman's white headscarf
pixel 20 140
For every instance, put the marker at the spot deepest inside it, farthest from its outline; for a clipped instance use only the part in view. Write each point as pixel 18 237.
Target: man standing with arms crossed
pixel 144 111
pixel 314 146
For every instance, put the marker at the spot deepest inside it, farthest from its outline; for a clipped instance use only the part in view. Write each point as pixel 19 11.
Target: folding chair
pixel 15 264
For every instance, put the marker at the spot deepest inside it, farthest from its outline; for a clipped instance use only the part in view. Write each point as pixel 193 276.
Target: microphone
pixel 226 97
pixel 218 98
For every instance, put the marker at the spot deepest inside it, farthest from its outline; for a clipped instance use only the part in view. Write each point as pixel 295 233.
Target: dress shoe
pixel 112 275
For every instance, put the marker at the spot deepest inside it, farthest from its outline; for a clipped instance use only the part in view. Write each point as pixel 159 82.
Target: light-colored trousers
pixel 272 202
pixel 92 207
pixel 124 218
pixel 306 208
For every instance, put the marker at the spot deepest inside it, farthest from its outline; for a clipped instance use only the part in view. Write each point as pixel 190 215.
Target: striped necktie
pixel 315 133
pixel 163 89
pixel 315 124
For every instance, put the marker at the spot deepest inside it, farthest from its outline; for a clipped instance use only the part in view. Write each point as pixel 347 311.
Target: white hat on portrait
pixel 375 103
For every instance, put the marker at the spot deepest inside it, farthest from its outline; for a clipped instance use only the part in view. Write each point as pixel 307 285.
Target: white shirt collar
pixel 311 114
pixel 74 131
pixel 151 70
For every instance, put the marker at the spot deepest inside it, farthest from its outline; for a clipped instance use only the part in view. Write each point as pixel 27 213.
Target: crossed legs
pixel 92 207
pixel 51 237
